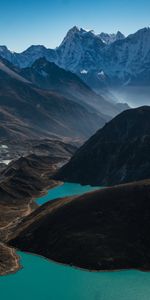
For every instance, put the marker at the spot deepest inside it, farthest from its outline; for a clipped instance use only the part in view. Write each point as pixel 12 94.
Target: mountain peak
pixel 142 31
pixel 3 48
pixel 35 48
pixel 120 35
pixel 140 36
pixel 76 31
pixel 109 38
pixel 73 50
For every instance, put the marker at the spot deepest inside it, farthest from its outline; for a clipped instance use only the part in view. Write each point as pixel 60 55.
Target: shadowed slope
pixel 117 153
pixel 103 230
pixel 27 112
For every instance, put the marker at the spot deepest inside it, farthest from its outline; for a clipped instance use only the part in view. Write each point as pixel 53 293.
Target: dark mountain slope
pixel 26 178
pixel 20 182
pixel 32 113
pixel 119 152
pixel 103 230
pixel 48 75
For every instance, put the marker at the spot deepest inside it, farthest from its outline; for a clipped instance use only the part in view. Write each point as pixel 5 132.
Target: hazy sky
pixel 26 22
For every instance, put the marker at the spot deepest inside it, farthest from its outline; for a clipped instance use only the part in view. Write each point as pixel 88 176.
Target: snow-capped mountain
pixel 81 53
pixel 111 38
pixel 101 60
pixel 127 58
pixel 118 63
pixel 123 64
pixel 79 50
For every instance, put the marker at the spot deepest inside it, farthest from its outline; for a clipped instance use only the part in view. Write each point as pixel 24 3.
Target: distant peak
pixel 86 30
pixel 81 30
pixel 146 28
pixel 143 30
pixel 141 33
pixel 3 48
pixel 109 38
pixel 120 33
pixel 36 48
pixel 74 29
pixel 76 32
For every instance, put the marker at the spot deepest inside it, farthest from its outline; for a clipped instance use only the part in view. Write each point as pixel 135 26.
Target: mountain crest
pixel 76 33
pixel 111 38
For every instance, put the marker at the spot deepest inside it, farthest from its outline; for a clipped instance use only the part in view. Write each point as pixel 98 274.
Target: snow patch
pixel 4 146
pixel 5 161
pixel 101 73
pixel 84 72
pixel 43 73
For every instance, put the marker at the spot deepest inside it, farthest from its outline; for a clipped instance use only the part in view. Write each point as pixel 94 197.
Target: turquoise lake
pixel 67 189
pixel 41 279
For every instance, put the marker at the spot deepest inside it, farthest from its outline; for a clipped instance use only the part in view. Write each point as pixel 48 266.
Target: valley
pixel 72 223
pixel 74 150
pixel 75 166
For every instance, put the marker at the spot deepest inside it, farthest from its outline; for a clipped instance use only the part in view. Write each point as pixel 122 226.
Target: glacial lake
pixel 64 190
pixel 41 279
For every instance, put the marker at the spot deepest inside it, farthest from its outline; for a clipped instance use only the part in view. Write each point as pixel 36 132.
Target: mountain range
pixel 30 112
pixel 49 76
pixel 108 62
pixel 112 37
pixel 45 101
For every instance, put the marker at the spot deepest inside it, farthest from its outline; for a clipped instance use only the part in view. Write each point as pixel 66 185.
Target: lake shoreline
pixel 44 193
pixel 42 275
pixel 70 225
pixel 79 268
pixel 31 202
pixel 29 210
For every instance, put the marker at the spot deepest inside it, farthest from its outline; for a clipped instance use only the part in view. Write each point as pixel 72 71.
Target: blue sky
pixel 26 22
